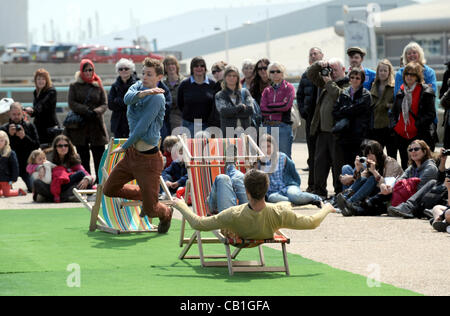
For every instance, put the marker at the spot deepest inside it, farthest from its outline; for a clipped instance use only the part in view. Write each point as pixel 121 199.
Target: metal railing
pixel 10 90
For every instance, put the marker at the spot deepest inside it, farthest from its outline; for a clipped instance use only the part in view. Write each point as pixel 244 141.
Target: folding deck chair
pixel 115 215
pixel 205 160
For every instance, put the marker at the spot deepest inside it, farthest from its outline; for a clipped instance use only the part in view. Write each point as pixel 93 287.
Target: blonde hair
pixel 169 142
pixel 277 65
pixel 6 151
pixel 34 154
pixel 391 78
pixel 414 46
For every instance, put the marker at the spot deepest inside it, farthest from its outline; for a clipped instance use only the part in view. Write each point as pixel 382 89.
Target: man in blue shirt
pixel 356 57
pixel 143 161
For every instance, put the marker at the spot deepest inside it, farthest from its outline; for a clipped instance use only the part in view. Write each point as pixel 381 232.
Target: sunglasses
pixel 124 69
pixel 275 71
pixel 200 65
pixel 414 149
pixel 88 70
pixel 216 71
pixel 62 146
pixel 409 74
pixel 262 68
pixel 355 78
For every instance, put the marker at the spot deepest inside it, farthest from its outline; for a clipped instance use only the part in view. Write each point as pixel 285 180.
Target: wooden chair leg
pixel 285 258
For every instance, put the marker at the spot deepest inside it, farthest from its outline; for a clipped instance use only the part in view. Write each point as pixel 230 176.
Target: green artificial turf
pixel 38 246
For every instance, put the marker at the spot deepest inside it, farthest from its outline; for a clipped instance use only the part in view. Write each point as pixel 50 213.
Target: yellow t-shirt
pixel 249 224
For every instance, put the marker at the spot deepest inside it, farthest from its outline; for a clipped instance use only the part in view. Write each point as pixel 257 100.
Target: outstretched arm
pixel 292 220
pixel 200 223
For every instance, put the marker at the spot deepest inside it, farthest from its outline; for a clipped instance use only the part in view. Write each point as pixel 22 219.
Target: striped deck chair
pixel 205 161
pixel 115 215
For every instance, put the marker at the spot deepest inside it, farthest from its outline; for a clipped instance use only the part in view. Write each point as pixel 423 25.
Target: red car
pixel 135 53
pixel 98 55
pixel 76 51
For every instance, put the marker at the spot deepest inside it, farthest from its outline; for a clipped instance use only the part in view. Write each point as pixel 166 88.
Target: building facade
pixel 13 22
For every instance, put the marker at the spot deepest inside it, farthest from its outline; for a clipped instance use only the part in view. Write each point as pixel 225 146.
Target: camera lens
pixel 362 160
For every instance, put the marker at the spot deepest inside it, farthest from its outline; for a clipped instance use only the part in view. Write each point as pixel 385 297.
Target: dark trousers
pixel 402 145
pixel 328 155
pixel 43 188
pixel 311 143
pixel 85 155
pixel 387 138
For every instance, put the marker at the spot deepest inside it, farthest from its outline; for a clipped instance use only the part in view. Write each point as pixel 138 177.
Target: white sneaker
pixel 448 229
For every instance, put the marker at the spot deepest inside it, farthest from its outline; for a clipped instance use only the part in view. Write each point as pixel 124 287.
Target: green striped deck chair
pixel 115 215
pixel 205 160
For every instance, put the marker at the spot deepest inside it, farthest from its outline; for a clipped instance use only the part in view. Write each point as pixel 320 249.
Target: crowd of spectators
pixel 353 116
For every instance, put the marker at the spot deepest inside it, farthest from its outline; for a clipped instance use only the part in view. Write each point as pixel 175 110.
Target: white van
pixel 40 52
pixel 15 53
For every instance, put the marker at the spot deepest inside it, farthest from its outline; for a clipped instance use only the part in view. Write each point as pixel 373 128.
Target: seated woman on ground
pixel 284 179
pixel 422 166
pixel 68 174
pixel 368 179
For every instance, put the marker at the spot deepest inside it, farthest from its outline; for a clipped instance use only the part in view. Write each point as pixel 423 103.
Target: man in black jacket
pixel 23 137
pixel 306 99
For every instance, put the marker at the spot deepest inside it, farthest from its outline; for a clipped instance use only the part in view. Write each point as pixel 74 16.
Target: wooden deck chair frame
pixel 196 238
pixel 96 221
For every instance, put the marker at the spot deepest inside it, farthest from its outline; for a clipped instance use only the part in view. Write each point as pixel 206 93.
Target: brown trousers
pixel 146 169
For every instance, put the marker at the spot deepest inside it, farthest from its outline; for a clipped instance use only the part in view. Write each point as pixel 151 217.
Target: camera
pixel 446 152
pixel 19 127
pixel 326 71
pixel 362 159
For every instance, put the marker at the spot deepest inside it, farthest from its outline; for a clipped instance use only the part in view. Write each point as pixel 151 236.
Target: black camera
pixel 447 173
pixel 326 71
pixel 446 152
pixel 19 127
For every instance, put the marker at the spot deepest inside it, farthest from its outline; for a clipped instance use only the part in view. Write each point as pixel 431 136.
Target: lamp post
pixel 250 23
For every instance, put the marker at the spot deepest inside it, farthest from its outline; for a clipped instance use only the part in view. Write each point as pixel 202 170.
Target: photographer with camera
pixel 329 77
pixel 370 174
pixel 23 137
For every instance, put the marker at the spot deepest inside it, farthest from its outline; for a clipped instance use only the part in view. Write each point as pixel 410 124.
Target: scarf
pixel 86 77
pixel 407 102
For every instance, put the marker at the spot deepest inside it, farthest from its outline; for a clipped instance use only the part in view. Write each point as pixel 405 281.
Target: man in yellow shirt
pixel 257 219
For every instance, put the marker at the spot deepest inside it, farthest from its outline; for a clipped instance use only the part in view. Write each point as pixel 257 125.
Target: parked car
pixel 15 53
pixel 40 52
pixel 98 54
pixel 135 53
pixel 60 53
pixel 76 51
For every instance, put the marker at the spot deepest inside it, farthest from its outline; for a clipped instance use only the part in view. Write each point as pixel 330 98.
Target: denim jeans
pixel 293 195
pixel 227 190
pixel 347 170
pixel 194 127
pixel 285 137
pixel 363 188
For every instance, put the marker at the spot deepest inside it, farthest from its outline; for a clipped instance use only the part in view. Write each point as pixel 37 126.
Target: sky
pixel 68 15
pixel 61 19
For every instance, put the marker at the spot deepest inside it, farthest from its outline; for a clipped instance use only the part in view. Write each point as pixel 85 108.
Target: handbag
pixel 295 116
pixel 73 121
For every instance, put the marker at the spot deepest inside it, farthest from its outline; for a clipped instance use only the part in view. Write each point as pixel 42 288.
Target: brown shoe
pixel 164 224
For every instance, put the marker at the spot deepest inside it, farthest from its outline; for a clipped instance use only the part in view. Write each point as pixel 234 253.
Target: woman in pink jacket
pixel 276 104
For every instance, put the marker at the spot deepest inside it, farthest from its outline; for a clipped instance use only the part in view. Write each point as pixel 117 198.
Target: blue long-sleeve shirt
pixel 145 116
